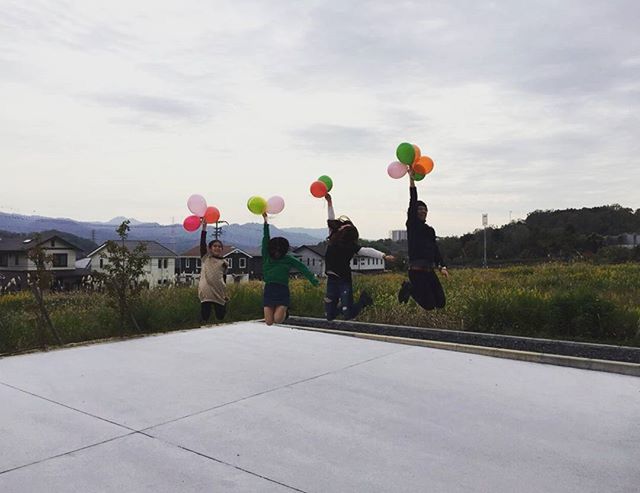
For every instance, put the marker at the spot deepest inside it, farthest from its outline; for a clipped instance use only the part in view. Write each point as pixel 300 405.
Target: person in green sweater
pixel 276 263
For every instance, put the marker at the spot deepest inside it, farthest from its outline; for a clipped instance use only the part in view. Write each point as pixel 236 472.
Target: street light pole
pixel 485 221
pixel 217 230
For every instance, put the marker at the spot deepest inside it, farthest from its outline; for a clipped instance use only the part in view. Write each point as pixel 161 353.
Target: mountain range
pixel 245 236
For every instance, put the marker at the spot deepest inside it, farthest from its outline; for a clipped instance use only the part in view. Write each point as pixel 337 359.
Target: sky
pixel 126 108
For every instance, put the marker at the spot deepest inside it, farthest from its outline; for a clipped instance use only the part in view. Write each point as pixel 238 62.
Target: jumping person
pixel 342 246
pixel 276 263
pixel 424 257
pixel 212 286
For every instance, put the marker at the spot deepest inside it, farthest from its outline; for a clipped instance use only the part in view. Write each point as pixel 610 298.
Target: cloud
pixel 150 106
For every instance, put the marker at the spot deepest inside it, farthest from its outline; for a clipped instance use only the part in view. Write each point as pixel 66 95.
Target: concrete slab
pixel 33 429
pixel 134 464
pixel 428 420
pixel 247 407
pixel 143 382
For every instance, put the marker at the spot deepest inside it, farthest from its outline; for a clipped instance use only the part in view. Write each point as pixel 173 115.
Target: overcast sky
pixel 128 107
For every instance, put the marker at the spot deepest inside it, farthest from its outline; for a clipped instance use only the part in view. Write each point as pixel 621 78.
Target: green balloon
pixel 418 177
pixel 257 205
pixel 405 153
pixel 327 181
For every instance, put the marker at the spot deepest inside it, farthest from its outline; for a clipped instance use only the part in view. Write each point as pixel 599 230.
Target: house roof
pixel 154 249
pixel 320 250
pixel 22 244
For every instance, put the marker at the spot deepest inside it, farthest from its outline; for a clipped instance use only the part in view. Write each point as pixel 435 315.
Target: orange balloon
pixel 419 168
pixel 417 153
pixel 318 189
pixel 426 162
pixel 211 215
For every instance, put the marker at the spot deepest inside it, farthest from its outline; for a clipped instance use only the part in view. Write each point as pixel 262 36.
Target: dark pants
pixel 426 289
pixel 205 310
pixel 340 291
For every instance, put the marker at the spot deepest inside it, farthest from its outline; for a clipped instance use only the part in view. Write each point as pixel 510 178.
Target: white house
pixel 313 256
pixel 159 270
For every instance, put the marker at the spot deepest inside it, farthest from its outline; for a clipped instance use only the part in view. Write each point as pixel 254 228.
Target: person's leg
pixel 349 308
pixel 405 292
pixel 331 299
pixel 205 311
pixel 280 314
pixel 268 315
pixel 220 310
pixel 421 289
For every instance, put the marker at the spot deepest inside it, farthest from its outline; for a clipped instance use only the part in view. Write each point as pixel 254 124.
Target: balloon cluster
pixel 259 206
pixel 321 187
pixel 198 205
pixel 410 159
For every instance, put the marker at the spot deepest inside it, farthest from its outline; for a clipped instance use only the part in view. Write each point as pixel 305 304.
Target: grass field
pixel 598 303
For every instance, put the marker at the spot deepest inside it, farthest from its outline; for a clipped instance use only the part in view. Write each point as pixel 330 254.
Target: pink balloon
pixel 191 223
pixel 197 204
pixel 275 205
pixel 397 170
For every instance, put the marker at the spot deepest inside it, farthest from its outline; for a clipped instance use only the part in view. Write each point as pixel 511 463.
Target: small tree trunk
pixel 44 315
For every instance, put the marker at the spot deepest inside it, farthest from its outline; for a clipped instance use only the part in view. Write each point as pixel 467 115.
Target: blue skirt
pixel 276 295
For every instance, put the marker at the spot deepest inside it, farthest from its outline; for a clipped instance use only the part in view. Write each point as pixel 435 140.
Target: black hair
pixel 278 247
pixel 345 234
pixel 213 242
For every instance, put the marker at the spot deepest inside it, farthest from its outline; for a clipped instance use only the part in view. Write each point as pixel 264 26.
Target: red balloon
pixel 318 189
pixel 191 223
pixel 211 215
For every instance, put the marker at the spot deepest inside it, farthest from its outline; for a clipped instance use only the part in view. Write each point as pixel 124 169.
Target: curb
pixel 620 367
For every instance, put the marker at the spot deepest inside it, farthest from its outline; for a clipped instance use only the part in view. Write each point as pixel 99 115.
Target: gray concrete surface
pixel 246 407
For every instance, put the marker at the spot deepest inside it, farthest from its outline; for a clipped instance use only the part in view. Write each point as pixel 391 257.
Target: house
pixel 159 270
pixel 313 256
pixel 241 265
pixel 624 240
pixel 15 263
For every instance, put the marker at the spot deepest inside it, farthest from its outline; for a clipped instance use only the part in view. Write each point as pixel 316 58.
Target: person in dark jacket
pixel 424 257
pixel 342 246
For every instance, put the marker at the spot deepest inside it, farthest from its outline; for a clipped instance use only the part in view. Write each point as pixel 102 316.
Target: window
pixel 313 262
pixel 53 243
pixel 242 263
pixel 307 262
pixel 101 262
pixel 159 263
pixel 60 260
pixel 166 263
pixel 368 261
pixel 4 260
pixel 17 259
pixel 199 262
pixel 230 262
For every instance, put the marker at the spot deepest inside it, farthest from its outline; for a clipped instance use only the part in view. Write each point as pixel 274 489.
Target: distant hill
pixel 245 236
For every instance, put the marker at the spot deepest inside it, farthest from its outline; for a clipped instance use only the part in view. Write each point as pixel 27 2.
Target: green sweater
pixel 277 271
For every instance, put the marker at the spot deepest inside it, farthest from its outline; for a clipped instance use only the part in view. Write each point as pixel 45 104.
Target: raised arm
pixel 265 238
pixel 413 199
pixel 203 239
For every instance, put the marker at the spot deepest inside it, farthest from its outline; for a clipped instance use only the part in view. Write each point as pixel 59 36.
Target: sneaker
pixel 405 292
pixel 286 317
pixel 365 299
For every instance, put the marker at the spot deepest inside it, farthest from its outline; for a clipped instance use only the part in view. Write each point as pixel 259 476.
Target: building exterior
pixel 313 256
pixel 398 235
pixel 624 240
pixel 15 263
pixel 241 265
pixel 159 270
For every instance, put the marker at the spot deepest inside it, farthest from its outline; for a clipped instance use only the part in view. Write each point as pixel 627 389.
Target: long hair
pixel 343 233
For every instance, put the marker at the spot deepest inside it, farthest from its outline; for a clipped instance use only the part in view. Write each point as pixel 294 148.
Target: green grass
pixel 598 303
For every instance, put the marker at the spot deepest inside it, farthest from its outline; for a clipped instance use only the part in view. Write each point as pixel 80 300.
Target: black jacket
pixel 423 249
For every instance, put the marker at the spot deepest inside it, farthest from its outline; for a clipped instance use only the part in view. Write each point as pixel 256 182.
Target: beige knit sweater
pixel 212 286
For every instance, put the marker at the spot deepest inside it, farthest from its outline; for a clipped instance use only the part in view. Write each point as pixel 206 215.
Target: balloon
pixel 257 205
pixel 275 204
pixel 419 168
pixel 427 162
pixel 417 153
pixel 397 170
pixel 318 189
pixel 418 177
pixel 197 205
pixel 405 153
pixel 212 215
pixel 191 223
pixel 327 181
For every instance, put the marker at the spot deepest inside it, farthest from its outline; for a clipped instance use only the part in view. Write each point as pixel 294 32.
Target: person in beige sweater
pixel 212 289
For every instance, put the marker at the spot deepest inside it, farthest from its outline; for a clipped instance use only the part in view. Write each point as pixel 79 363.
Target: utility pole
pixel 485 221
pixel 217 230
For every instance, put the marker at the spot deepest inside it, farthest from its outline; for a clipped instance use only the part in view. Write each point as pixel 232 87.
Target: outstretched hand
pixel 328 198
pixel 444 272
pixel 264 215
pixel 389 258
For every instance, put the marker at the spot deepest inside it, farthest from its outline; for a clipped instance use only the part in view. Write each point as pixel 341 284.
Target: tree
pixel 39 281
pixel 123 269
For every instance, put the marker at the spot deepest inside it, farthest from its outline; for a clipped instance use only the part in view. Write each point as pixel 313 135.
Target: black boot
pixel 405 292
